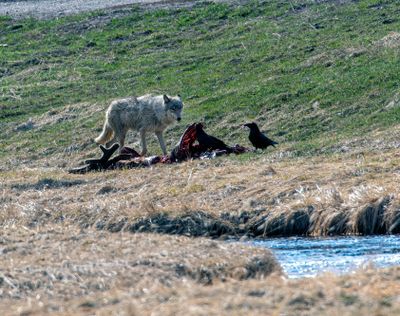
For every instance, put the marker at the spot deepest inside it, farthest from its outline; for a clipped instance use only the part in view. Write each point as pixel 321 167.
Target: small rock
pixel 25 126
pixel 316 105
pixel 268 172
pixel 106 189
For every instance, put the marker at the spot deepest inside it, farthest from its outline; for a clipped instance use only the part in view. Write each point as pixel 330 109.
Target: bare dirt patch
pixel 47 9
pixel 51 8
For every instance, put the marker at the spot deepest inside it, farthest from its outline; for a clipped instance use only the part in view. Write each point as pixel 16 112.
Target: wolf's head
pixel 174 106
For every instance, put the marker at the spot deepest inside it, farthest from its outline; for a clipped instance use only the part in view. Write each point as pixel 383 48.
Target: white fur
pixel 147 113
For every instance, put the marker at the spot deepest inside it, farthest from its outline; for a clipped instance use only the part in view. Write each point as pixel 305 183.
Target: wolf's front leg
pixel 162 143
pixel 143 142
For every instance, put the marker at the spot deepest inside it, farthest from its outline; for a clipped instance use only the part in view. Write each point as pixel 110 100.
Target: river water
pixel 307 257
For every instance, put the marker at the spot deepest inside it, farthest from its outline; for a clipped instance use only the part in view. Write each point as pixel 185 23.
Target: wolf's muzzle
pixel 178 119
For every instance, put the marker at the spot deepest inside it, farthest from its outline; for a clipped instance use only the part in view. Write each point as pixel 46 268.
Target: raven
pixel 258 139
pixel 208 142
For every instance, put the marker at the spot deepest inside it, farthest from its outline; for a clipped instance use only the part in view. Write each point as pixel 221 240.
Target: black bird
pixel 258 139
pixel 208 142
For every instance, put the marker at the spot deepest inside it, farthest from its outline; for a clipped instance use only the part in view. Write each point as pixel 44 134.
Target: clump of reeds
pixel 289 223
pixel 329 222
pixel 392 217
pixel 365 214
pixel 369 219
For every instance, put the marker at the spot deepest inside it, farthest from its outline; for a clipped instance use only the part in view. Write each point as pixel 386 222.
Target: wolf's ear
pixel 166 99
pixel 179 96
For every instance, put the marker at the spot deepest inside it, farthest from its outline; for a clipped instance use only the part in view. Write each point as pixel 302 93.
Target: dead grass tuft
pixel 330 222
pixel 297 222
pixel 392 40
pixel 189 224
pixel 392 216
pixel 369 219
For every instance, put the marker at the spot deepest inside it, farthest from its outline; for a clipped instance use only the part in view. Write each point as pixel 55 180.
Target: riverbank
pixel 62 270
pixel 227 197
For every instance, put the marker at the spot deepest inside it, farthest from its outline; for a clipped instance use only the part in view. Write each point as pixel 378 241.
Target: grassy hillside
pixel 321 77
pixel 312 74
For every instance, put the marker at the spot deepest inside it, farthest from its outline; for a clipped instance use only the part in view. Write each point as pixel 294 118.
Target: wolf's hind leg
pixel 162 143
pixel 111 142
pixel 143 142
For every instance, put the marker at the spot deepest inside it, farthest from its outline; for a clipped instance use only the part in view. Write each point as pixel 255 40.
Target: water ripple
pixel 307 257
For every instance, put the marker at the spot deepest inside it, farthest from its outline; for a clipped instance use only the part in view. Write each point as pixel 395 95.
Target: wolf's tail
pixel 105 134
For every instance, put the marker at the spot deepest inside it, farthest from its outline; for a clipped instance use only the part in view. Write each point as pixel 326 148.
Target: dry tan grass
pixel 59 263
pixel 62 270
pixel 392 40
pixel 51 266
pixel 335 195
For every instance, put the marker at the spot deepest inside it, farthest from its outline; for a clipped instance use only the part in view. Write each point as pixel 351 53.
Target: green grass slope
pixel 312 73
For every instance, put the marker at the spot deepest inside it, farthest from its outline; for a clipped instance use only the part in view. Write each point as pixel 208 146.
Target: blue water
pixel 307 257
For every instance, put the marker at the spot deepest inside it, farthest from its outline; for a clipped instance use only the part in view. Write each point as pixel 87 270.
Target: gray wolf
pixel 144 114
